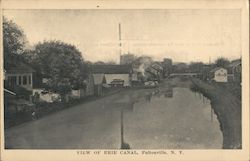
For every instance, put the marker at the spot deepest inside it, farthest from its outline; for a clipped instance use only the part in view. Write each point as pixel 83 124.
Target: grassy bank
pixel 227 107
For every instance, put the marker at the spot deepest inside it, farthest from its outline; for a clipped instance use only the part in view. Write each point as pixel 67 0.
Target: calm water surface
pixel 170 118
pixel 165 118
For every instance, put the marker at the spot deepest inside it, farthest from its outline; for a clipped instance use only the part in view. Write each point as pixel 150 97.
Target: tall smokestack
pixel 120 43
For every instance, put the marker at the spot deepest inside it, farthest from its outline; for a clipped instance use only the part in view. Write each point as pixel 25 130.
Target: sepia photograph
pixel 122 79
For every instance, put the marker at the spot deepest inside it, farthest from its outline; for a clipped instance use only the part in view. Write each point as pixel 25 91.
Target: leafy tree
pixel 61 63
pixel 222 62
pixel 180 68
pixel 196 67
pixel 14 42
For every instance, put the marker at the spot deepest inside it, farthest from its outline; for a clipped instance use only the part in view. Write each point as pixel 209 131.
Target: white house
pixel 19 75
pixel 219 74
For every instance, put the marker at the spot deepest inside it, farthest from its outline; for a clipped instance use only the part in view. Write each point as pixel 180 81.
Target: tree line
pixel 60 63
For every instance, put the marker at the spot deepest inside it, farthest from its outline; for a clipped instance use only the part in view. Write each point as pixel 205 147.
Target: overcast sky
pixel 183 35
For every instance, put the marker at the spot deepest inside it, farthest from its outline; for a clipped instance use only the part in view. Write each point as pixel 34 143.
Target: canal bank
pixel 228 110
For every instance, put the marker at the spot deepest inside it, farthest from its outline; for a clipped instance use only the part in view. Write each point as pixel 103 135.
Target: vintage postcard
pixel 124 80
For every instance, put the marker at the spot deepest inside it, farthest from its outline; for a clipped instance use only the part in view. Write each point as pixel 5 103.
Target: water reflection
pixel 168 93
pixel 205 101
pixel 126 106
pixel 148 96
pixel 147 123
pixel 124 145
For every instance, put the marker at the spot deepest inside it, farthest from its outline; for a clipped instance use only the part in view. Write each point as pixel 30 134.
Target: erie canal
pixel 160 118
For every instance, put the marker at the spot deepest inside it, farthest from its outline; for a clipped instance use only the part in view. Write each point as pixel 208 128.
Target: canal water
pixel 173 118
pixel 164 118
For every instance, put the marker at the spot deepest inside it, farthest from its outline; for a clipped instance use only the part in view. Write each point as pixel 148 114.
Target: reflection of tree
pixel 124 145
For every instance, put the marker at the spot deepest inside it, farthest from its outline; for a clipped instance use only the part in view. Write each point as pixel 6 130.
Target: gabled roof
pixel 217 68
pixel 111 69
pixel 156 66
pixel 20 68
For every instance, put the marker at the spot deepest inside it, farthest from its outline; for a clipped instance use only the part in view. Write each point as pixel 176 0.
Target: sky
pixel 182 35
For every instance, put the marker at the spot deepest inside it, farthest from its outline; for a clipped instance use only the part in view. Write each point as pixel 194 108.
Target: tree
pixel 13 42
pixel 61 63
pixel 180 68
pixel 196 67
pixel 222 62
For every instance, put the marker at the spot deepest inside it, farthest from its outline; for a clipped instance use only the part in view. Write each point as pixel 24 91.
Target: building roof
pixel 217 68
pixel 10 92
pixel 157 66
pixel 111 69
pixel 20 68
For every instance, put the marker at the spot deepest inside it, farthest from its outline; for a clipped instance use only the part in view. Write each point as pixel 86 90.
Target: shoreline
pixel 228 110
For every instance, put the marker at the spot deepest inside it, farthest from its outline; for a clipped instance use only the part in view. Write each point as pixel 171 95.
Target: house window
pixel 12 80
pixel 20 80
pixel 24 80
pixel 29 79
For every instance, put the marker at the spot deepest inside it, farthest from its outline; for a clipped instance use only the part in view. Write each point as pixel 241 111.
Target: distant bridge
pixel 184 74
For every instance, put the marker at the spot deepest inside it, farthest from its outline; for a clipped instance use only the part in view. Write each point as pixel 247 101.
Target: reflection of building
pixel 218 74
pixel 127 59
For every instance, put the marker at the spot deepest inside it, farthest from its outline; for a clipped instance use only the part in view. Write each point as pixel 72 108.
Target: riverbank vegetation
pixel 227 106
